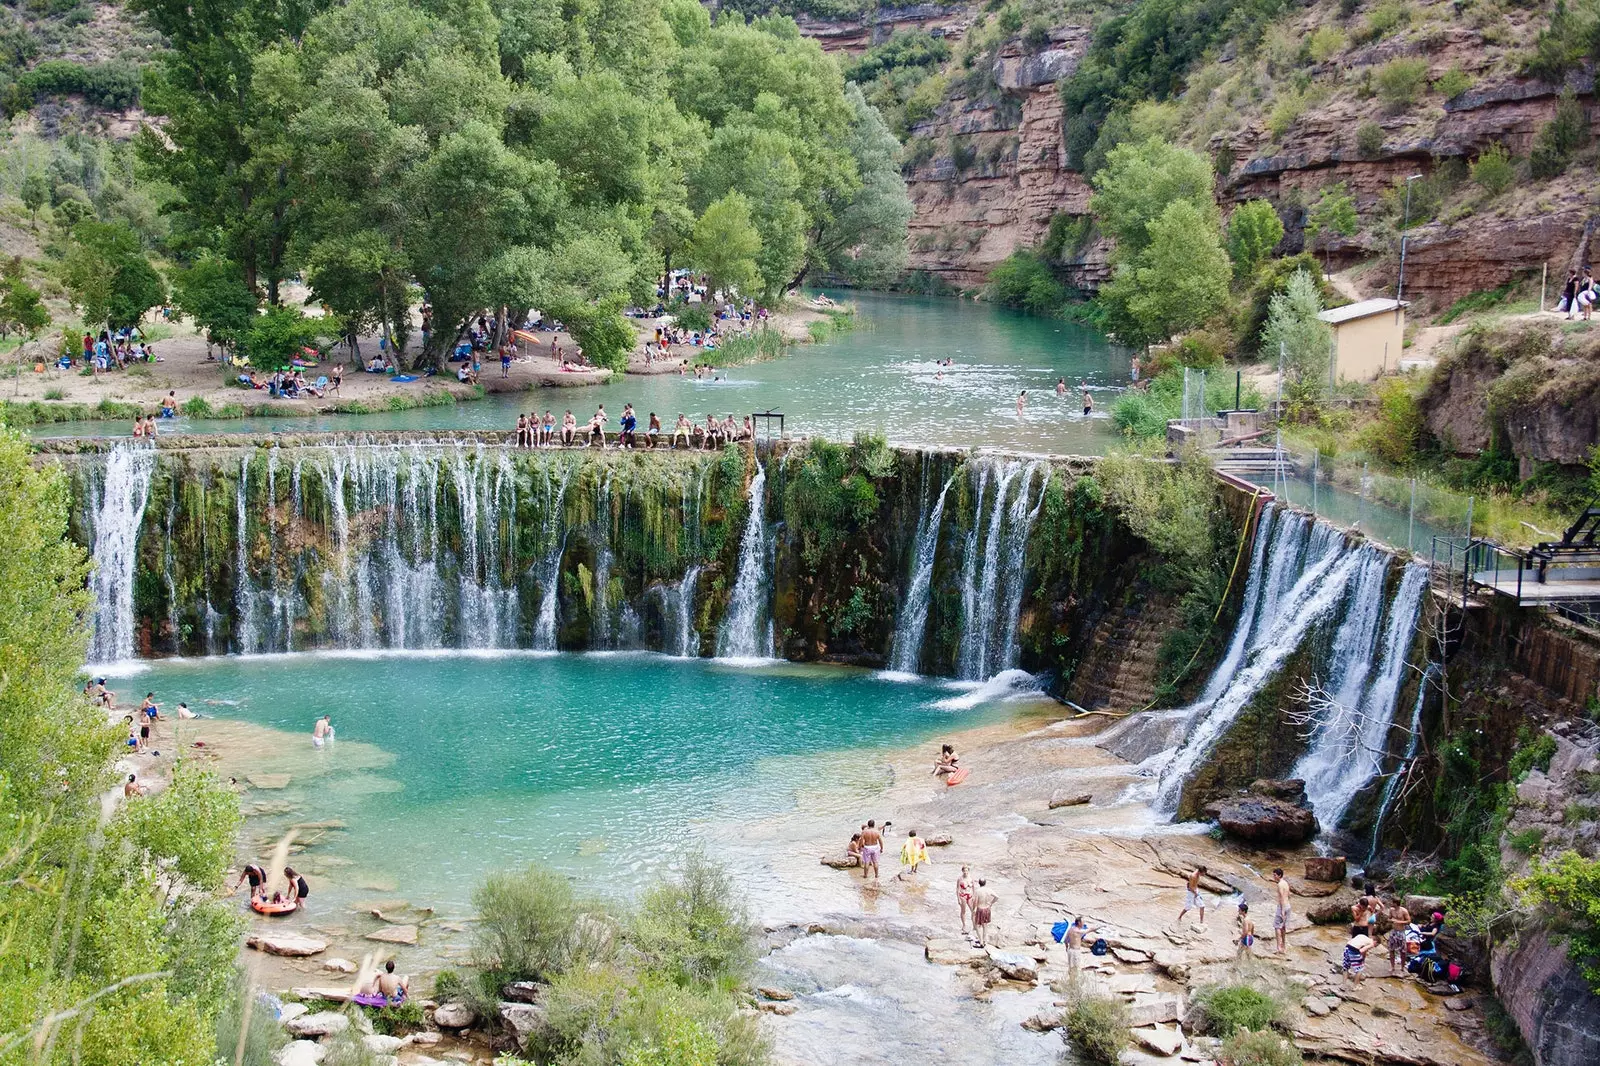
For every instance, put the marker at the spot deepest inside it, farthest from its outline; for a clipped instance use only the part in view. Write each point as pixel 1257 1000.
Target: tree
pixel 212 292
pixel 726 244
pixel 272 339
pixel 1140 180
pixel 116 915
pixel 108 275
pixel 35 194
pixel 1305 340
pixel 1175 282
pixel 21 306
pixel 864 242
pixel 1254 230
pixel 1334 212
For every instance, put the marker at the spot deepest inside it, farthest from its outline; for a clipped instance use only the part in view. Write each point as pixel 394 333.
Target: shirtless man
pixel 1399 918
pixel 871 849
pixel 681 429
pixel 983 901
pixel 597 426
pixel 569 426
pixel 1088 402
pixel 1281 916
pixel 1074 941
pixel 322 732
pixel 1061 386
pixel 1247 932
pixel 547 429
pixel 131 787
pixel 1192 897
pixel 392 985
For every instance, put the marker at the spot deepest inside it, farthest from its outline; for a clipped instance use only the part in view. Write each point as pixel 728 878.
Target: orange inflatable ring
pixel 261 906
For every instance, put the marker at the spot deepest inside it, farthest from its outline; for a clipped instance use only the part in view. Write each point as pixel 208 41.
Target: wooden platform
pixel 1561 585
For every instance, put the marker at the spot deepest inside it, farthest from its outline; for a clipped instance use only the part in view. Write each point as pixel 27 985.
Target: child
pixel 1247 932
pixel 1355 953
pixel 913 852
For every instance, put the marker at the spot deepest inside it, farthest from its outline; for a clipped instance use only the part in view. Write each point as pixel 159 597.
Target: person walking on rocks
pixel 1281 916
pixel 1192 899
pixel 913 853
pixel 1247 933
pixel 983 901
pixel 871 849
pixel 1074 942
pixel 1399 918
pixel 964 898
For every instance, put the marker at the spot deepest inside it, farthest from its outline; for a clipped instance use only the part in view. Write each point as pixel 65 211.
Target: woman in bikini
pixel 964 898
pixel 946 763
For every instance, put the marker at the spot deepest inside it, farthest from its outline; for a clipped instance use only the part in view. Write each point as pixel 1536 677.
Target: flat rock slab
pixel 395 934
pixel 955 953
pixel 273 781
pixel 292 1010
pixel 289 945
pixel 1015 965
pixel 1154 1010
pixel 339 966
pixel 1161 1041
pixel 332 994
pixel 1131 956
pixel 379 1044
pixel 322 1023
pixel 1068 798
pixel 301 1053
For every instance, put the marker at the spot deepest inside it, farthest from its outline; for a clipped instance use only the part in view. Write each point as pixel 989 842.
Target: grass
pixel 756 346
pixel 1227 1009
pixel 1097 1026
pixel 40 413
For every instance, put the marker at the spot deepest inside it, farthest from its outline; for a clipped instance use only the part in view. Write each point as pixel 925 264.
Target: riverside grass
pixel 44 413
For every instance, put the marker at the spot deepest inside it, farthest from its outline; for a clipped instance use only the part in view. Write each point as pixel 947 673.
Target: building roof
pixel 1363 309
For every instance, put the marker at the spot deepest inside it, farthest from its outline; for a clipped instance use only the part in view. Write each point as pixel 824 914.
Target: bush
pixel 1394 434
pixel 54 394
pixel 694 929
pixel 1226 1009
pixel 1400 82
pixel 1325 43
pixel 1383 20
pixel 1559 139
pixel 1493 170
pixel 197 407
pixel 1453 82
pixel 1369 140
pixel 1025 281
pixel 692 316
pixel 532 926
pixel 1097 1026
pixel 1570 885
pixel 1252 1048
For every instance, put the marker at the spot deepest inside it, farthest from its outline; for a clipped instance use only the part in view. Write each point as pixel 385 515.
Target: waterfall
pixel 547 573
pixel 1392 786
pixel 1348 746
pixel 118 499
pixel 911 621
pixel 992 591
pixel 1323 567
pixel 245 638
pixel 747 629
pixel 680 612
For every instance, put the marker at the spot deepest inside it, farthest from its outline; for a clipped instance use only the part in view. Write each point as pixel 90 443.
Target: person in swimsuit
pixel 133 732
pixel 1073 941
pixel 1061 386
pixel 983 901
pixel 391 985
pixel 131 787
pixel 522 431
pixel 946 763
pixel 652 433
pixel 1192 897
pixel 257 878
pixel 626 427
pixel 1399 918
pixel 138 427
pixel 853 849
pixel 1088 401
pixel 964 898
pixel 322 732
pixel 597 426
pixel 1282 914
pixel 569 426
pixel 1355 953
pixel 871 849
pixel 1022 401
pixel 169 405
pixel 1247 932
pixel 547 430
pixel 681 429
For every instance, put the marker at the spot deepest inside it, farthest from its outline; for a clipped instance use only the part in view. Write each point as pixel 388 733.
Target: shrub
pixel 1226 1009
pixel 1400 81
pixel 1369 140
pixel 1453 83
pixel 348 1049
pixel 692 316
pixel 1559 139
pixel 1493 170
pixel 1252 1048
pixel 1025 281
pixel 1383 20
pixel 532 926
pixel 1325 43
pixel 1393 435
pixel 694 929
pixel 1097 1025
pixel 54 394
pixel 962 154
pixel 197 407
pixel 1571 886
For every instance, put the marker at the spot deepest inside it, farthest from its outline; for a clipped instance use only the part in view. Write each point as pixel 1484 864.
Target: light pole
pixel 1405 220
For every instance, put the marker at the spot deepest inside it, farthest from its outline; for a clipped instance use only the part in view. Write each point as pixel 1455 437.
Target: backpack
pixel 1059 931
pixel 1100 947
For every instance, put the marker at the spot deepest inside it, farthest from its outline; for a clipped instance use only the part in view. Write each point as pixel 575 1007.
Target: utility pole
pixel 1405 220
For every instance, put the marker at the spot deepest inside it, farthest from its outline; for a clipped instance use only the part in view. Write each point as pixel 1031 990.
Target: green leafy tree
pixel 212 292
pixel 1140 181
pixel 35 194
pixel 864 242
pixel 726 245
pixel 1333 213
pixel 109 276
pixel 1306 342
pixel 272 339
pixel 1176 281
pixel 22 308
pixel 1254 230
pixel 1570 886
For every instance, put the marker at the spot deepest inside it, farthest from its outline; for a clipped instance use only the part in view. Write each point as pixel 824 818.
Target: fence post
pixel 1470 500
pixel 1316 468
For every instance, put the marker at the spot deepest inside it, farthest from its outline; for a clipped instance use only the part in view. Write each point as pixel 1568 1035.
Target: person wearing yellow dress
pixel 913 852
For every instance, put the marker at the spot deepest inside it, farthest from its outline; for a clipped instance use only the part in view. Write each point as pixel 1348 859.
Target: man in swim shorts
pixel 322 732
pixel 1192 897
pixel 1281 916
pixel 983 901
pixel 1247 932
pixel 871 849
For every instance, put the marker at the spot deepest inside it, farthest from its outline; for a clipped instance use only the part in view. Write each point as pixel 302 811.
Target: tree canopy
pixel 379 143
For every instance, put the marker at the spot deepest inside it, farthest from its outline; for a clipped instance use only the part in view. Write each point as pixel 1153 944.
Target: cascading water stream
pixel 117 515
pixel 547 574
pixel 993 567
pixel 1391 787
pixel 1347 749
pixel 911 623
pixel 747 629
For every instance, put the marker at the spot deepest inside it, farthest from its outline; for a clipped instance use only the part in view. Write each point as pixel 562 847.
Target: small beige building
pixel 1368 338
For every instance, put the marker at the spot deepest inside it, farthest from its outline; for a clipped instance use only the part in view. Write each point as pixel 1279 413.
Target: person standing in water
pixel 1022 401
pixel 983 901
pixel 1061 386
pixel 322 732
pixel 1088 401
pixel 871 849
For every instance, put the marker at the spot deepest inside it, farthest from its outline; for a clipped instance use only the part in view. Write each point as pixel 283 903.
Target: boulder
pixel 523 992
pixel 841 862
pixel 301 1053
pixel 1335 910
pixel 939 840
pixel 289 945
pixel 1263 820
pixel 395 934
pixel 1173 965
pixel 767 1007
pixel 1154 1010
pixel 1314 1006
pixel 780 995
pixel 339 966
pixel 1014 965
pixel 1043 1022
pixel 292 1010
pixel 954 952
pixel 1422 907
pixel 426 1038
pixel 454 1016
pixel 323 1023
pixel 1326 869
pixel 1130 956
pixel 1292 789
pixel 1313 889
pixel 1158 1040
pixel 1064 798
pixel 523 1020
pixel 379 1044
